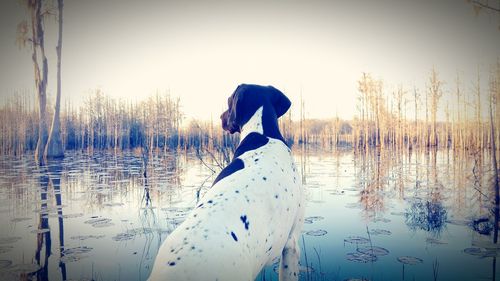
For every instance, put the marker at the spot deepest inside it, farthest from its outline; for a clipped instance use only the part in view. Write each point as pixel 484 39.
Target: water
pixel 374 216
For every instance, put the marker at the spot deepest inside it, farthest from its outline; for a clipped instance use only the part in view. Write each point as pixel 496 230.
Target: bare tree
pixel 435 92
pixel 54 148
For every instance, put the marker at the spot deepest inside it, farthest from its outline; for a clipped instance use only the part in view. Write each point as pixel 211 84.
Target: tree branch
pixel 486 6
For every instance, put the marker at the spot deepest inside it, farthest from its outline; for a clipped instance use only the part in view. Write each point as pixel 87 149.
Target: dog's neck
pixel 254 125
pixel 262 122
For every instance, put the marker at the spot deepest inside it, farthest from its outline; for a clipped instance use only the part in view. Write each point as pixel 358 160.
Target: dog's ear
pixel 280 102
pixel 235 109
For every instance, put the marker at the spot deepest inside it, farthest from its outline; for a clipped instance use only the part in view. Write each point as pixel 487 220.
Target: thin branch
pixel 486 6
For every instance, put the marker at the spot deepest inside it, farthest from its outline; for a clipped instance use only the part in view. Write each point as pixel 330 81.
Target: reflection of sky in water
pixel 407 209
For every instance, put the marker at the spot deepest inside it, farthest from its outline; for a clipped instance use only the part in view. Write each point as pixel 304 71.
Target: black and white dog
pixel 254 211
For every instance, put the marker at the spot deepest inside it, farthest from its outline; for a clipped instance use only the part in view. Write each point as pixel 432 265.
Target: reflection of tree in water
pixel 43 235
pixel 426 215
pixel 486 222
pixel 371 178
pixel 50 175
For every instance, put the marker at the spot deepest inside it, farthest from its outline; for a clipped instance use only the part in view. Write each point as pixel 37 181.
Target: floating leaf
pixel 123 237
pixel 374 251
pixel 380 232
pixel 356 240
pixel 410 260
pixel 85 237
pixel 310 220
pixel 99 222
pixel 360 257
pixel 319 232
pixel 72 216
pixel 99 225
pixel 384 220
pixel 481 252
pixel 76 250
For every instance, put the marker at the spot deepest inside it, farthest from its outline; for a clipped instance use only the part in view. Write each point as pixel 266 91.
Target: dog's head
pixel 245 101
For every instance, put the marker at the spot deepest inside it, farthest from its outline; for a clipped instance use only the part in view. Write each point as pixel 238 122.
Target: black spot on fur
pixel 243 218
pixel 234 236
pixel 172 263
pixel 264 178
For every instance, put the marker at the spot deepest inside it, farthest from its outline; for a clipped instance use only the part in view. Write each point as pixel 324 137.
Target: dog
pixel 253 213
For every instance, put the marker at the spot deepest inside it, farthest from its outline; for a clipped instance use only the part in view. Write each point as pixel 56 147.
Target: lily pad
pixel 374 251
pixel 380 232
pixel 123 236
pixel 319 232
pixel 384 220
pixel 72 216
pixel 100 225
pixel 356 240
pixel 409 260
pixel 76 251
pixel 312 219
pixel 360 257
pixel 481 252
pixel 85 237
pixel 97 221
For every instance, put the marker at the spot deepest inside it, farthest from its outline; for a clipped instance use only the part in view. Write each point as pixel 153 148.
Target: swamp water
pixel 373 216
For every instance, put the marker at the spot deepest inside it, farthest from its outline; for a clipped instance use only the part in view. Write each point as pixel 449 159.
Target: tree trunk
pixel 54 147
pixel 496 185
pixel 40 78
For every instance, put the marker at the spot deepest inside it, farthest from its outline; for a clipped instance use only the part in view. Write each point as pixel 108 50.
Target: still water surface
pixel 369 216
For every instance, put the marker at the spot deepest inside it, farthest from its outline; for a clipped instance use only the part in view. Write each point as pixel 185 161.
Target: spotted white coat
pixel 245 221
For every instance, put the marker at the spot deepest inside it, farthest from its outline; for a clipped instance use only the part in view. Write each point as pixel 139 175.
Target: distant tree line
pixel 383 120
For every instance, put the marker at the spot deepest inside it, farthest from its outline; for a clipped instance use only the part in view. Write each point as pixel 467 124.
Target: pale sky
pixel 201 50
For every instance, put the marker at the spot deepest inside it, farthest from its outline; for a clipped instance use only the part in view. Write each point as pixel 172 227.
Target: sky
pixel 201 50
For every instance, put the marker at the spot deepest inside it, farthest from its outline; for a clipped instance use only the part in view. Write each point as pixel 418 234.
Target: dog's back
pixel 242 223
